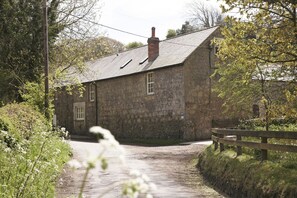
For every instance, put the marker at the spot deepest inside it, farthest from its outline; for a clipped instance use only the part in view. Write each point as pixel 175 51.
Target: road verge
pixel 244 176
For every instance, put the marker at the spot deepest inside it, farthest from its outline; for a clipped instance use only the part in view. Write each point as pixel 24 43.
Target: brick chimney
pixel 153 46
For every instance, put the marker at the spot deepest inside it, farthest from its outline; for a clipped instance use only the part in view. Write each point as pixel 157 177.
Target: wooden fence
pixel 221 137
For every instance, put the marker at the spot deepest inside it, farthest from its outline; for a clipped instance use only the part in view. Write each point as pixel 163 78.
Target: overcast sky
pixel 138 16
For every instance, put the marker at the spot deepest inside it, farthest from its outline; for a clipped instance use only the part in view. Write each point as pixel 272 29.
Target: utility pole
pixel 46 70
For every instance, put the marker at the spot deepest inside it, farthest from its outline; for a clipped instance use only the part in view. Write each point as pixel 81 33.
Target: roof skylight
pixel 141 62
pixel 129 61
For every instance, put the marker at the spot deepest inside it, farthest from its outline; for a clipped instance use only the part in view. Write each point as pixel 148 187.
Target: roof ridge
pixel 195 31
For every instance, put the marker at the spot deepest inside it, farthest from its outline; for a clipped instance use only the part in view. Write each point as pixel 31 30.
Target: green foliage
pixel 33 94
pixel 290 108
pixel 32 168
pixel 276 124
pixel 30 158
pixel 75 52
pixel 256 52
pixel 21 121
pixel 21 43
pixel 186 28
pixel 134 44
pixel 244 176
pixel 171 33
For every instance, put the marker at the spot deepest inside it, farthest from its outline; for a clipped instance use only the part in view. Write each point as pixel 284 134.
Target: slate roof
pixel 171 52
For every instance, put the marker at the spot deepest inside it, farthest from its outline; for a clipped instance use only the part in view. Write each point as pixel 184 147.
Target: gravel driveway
pixel 171 168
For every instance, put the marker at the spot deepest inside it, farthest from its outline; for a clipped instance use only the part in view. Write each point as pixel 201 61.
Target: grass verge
pixel 244 176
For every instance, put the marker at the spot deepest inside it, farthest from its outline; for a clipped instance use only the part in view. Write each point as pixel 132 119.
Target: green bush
pixel 31 158
pixel 22 121
pixel 276 124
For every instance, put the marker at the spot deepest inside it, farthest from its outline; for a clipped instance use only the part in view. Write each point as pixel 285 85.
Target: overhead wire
pixel 109 27
pixel 126 32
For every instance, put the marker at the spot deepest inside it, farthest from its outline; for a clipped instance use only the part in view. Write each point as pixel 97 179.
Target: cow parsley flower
pixel 99 130
pixel 106 139
pixel 75 164
pixel 139 185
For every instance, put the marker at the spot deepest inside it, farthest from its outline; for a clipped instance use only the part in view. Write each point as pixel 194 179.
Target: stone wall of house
pixel 197 94
pixel 203 107
pixel 64 110
pixel 128 111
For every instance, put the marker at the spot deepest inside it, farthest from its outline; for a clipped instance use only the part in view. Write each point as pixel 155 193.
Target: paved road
pixel 171 168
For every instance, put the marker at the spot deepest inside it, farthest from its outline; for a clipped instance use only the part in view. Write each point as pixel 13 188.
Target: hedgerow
pixel 31 156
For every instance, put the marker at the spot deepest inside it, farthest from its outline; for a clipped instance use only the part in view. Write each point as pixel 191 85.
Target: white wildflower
pixel 149 196
pixel 108 140
pixel 152 186
pixel 74 164
pixel 140 184
pixel 99 130
pixel 145 178
pixel 63 129
pixel 58 151
pixel 134 173
pixel 91 161
pixel 37 170
pixel 4 132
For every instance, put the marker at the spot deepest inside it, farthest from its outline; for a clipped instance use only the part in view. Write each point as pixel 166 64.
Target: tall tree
pixel 21 37
pixel 258 49
pixel 171 33
pixel 203 14
pixel 186 28
pixel 21 42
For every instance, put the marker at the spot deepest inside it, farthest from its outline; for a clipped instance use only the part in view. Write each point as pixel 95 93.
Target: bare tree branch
pixel 204 14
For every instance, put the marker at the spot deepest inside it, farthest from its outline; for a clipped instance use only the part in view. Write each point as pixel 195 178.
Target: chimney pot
pixel 153 32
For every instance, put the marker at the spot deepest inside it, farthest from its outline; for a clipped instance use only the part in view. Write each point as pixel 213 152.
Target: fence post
pixel 222 148
pixel 214 141
pixel 215 145
pixel 239 148
pixel 264 153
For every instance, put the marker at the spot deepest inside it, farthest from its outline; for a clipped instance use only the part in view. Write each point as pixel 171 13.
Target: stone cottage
pixel 161 90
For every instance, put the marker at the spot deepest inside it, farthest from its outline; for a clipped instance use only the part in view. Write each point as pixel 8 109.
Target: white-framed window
pixel 150 83
pixel 92 92
pixel 79 111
